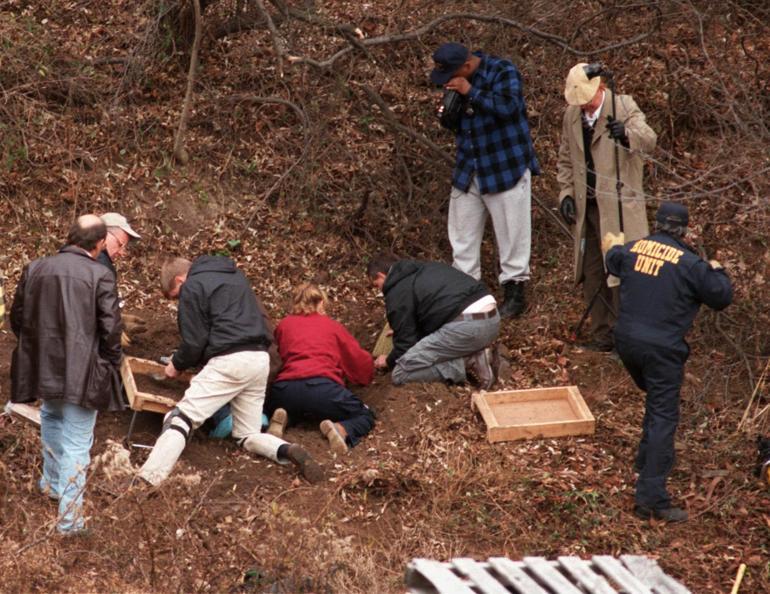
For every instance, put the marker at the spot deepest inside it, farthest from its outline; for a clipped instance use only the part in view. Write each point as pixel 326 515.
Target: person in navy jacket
pixel 662 286
pixel 318 356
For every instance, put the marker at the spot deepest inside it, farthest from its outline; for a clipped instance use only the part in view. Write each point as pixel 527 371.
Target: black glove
pixel 617 130
pixel 567 210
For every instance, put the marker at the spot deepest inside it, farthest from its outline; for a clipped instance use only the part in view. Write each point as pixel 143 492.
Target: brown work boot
pixel 309 468
pixel 478 369
pixel 332 432
pixel 278 423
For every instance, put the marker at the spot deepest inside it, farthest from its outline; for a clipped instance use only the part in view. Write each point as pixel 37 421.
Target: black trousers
pixel 658 371
pixel 594 278
pixel 319 398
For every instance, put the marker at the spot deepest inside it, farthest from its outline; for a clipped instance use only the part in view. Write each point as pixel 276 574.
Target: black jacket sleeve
pixel 614 260
pixel 109 324
pixel 712 286
pixel 403 321
pixel 193 328
pixel 17 309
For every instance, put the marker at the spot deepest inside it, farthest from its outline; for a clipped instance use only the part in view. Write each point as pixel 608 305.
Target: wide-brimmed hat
pixel 579 89
pixel 113 219
pixel 448 58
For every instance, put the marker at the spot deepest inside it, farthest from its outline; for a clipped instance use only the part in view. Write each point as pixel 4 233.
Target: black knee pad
pixel 176 420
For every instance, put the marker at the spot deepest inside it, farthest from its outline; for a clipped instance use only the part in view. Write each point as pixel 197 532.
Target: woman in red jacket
pixel 318 355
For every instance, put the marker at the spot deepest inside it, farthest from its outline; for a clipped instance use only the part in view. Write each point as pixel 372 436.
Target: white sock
pixel 265 445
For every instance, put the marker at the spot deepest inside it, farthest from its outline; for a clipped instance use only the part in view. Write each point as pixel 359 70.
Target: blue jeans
pixel 67 433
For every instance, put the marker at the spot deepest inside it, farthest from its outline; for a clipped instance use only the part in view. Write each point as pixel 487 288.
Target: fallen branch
pixel 180 153
pixel 377 99
pixel 427 142
pixel 759 385
pixel 278 44
pixel 736 346
pixel 305 133
pixel 484 18
pixel 738 579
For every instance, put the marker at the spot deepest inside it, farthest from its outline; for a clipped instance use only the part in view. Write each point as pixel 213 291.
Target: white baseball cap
pixel 579 89
pixel 113 219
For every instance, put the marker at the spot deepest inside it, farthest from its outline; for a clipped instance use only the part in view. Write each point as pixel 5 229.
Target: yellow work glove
pixel 715 264
pixel 610 240
pixel 133 324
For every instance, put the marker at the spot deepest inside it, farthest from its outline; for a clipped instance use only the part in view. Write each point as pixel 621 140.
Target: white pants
pixel 241 380
pixel 511 213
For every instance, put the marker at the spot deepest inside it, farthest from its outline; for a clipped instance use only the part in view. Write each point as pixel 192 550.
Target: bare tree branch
pixel 180 153
pixel 377 99
pixel 416 33
pixel 239 98
pixel 278 43
pixel 447 158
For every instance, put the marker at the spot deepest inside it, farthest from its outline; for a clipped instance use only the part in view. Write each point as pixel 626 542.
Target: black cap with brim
pixel 448 58
pixel 672 213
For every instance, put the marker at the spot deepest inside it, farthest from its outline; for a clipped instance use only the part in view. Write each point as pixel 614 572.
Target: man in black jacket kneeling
pixel 443 322
pixel 224 328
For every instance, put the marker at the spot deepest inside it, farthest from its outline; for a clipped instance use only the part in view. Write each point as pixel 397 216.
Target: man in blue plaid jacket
pixel 495 162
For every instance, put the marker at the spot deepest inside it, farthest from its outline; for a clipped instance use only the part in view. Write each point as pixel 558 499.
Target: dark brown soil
pixel 170 388
pixel 426 467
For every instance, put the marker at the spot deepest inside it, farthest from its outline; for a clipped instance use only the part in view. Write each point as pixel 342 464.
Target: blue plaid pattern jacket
pixel 493 141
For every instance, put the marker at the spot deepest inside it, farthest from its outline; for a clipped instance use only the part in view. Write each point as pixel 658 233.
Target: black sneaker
pixel 602 345
pixel 668 514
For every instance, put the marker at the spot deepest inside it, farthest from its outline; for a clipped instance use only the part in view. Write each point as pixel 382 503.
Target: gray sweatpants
pixel 511 214
pixel 439 356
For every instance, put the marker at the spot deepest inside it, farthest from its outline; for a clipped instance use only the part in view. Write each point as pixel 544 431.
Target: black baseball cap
pixel 448 58
pixel 673 214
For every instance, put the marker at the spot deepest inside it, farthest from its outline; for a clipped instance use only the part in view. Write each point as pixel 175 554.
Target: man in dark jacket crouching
pixel 224 328
pixel 443 322
pixel 66 318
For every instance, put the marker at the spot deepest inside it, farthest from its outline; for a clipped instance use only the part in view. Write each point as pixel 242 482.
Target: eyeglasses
pixel 121 244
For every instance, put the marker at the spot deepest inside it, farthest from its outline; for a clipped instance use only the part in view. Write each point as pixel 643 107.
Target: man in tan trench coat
pixel 588 196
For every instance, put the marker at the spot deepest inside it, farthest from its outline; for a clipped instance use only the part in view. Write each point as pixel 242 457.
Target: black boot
pixel 668 514
pixel 514 303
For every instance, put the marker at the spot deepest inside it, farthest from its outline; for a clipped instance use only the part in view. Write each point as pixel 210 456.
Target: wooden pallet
pixel 541 412
pixel 602 574
pixel 139 401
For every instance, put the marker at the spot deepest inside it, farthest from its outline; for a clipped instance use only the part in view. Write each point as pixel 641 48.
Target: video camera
pixel 597 69
pixel 452 106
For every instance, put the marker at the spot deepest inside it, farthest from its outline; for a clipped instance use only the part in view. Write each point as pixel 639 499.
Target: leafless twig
pixel 180 153
pixel 485 18
pixel 278 43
